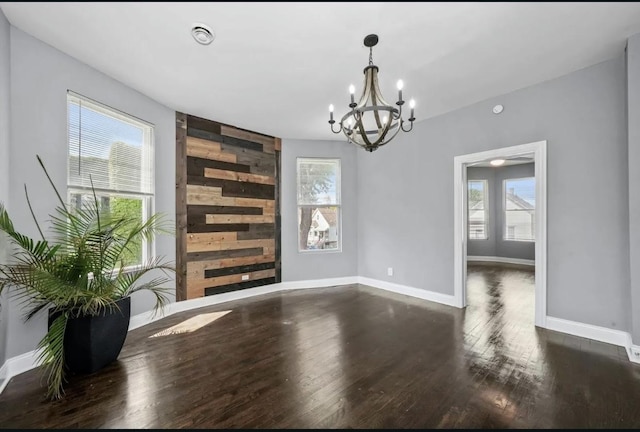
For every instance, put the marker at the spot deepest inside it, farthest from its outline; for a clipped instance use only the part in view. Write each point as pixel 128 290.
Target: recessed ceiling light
pixel 202 33
pixel 497 162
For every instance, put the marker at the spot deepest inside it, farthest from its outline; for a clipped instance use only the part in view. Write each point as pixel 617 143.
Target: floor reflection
pixel 500 337
pixel 350 357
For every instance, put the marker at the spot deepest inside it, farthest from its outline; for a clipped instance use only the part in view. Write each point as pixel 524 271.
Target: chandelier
pixel 372 122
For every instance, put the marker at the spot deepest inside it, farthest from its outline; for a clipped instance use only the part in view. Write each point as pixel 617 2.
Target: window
pixel 115 151
pixel 318 204
pixel 519 209
pixel 477 208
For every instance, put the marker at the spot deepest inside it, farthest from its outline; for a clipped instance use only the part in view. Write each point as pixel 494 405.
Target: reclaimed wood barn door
pixel 227 208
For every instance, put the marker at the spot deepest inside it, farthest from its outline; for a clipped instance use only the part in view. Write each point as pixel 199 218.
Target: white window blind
pixel 318 181
pixel 115 152
pixel 110 148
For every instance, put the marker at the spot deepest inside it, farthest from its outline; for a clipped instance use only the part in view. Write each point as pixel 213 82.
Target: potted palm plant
pixel 79 273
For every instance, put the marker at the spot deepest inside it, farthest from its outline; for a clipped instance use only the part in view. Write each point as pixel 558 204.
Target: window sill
pixel 319 251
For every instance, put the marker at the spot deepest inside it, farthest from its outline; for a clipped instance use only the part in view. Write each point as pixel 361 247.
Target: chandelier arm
pixel 376 88
pixel 371 99
pixel 406 130
pixel 358 115
pixel 376 145
pixel 336 131
pixel 366 92
pixel 392 136
pixel 363 133
pixel 383 134
pixel 374 102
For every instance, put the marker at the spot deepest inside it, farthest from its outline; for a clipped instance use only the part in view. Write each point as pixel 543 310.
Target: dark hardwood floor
pixel 350 357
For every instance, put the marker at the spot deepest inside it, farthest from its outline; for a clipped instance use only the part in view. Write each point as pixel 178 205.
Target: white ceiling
pixel 275 67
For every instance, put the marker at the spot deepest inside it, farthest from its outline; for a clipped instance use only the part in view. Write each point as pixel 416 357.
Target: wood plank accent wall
pixel 227 208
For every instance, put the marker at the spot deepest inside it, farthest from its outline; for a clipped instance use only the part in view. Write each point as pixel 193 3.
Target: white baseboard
pixel 27 361
pixel 4 376
pixel 633 351
pixel 446 299
pixel 145 318
pixel 319 283
pixel 502 260
pixel 17 365
pixel 602 334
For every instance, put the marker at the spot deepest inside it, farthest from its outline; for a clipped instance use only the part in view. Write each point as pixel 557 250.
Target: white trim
pixel 503 260
pixel 17 365
pixel 633 351
pixel 539 150
pixel 145 318
pixel 487 206
pixel 319 283
pixel 437 297
pixel 602 334
pixel 27 361
pixel 4 376
pixel 503 228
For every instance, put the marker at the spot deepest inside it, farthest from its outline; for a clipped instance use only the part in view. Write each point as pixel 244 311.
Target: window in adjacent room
pixel 115 151
pixel 477 210
pixel 318 204
pixel 519 209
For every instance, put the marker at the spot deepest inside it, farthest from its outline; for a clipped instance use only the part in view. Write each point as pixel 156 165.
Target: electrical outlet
pixel 245 277
pixel 390 271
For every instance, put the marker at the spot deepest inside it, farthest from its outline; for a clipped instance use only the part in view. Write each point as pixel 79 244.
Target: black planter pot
pixel 92 342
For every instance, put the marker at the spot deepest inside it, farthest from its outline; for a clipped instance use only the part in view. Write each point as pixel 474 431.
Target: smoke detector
pixel 202 33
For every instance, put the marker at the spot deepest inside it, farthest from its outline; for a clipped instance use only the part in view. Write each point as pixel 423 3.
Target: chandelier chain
pixel 370 56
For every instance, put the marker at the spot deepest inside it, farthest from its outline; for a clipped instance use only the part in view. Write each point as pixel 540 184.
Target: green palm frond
pixel 51 355
pixel 81 269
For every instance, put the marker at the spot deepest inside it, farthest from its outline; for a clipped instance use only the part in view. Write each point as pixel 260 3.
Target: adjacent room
pixel 500 290
pixel 319 215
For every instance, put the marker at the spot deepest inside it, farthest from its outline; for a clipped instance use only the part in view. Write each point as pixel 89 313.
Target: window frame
pixel 504 212
pixel 485 187
pixel 147 198
pixel 338 204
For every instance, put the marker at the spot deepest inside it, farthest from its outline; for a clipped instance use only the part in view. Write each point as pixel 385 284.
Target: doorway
pixel 533 152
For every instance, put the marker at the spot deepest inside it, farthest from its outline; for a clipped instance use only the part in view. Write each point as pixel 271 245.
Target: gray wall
pixel 40 77
pixel 495 245
pixel 318 265
pixel 5 86
pixel 405 190
pixel 633 77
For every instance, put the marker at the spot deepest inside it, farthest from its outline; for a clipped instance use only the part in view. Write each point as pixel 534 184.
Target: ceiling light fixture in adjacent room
pixel 202 33
pixel 371 122
pixel 497 162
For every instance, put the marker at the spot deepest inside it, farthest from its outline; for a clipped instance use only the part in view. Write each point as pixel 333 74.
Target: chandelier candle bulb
pixel 400 86
pixel 412 105
pixel 331 113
